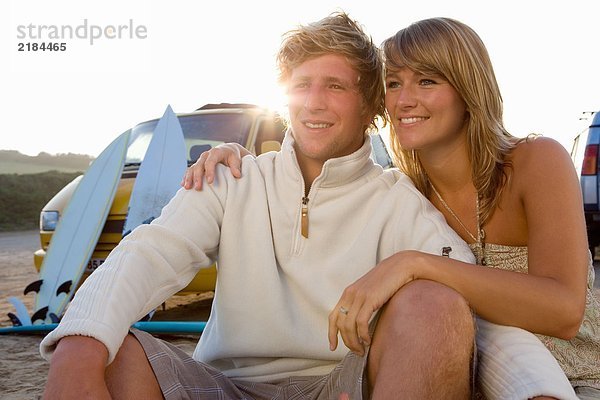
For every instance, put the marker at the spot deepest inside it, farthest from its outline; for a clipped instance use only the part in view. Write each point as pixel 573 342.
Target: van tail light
pixel 590 160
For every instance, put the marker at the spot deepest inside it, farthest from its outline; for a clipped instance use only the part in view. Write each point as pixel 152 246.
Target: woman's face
pixel 426 111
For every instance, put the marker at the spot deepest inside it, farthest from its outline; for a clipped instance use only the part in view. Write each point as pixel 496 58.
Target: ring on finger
pixel 343 310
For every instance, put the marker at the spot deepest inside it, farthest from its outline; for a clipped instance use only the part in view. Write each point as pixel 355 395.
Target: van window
pixel 269 129
pixel 139 142
pixel 199 130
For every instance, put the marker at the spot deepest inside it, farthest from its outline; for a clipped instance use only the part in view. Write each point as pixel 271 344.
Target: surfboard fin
pixel 33 286
pixel 21 312
pixel 64 288
pixel 148 316
pixel 54 318
pixel 148 220
pixel 14 319
pixel 40 314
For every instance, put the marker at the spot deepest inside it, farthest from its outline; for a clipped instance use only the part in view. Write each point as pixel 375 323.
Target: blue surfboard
pixel 160 173
pixel 158 327
pixel 77 232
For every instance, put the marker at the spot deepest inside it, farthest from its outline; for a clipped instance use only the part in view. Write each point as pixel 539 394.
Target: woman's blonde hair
pixel 451 49
pixel 338 34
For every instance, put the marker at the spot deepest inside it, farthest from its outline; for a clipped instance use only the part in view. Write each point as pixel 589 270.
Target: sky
pixel 125 61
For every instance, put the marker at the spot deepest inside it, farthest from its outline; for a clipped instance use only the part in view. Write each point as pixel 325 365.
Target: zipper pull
pixel 304 224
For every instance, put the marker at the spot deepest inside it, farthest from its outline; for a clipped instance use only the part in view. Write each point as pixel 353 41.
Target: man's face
pixel 326 110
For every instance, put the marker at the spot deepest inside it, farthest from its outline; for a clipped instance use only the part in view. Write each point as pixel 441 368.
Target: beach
pixel 22 370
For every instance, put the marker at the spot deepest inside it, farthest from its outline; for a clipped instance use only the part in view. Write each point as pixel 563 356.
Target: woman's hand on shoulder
pixel 229 154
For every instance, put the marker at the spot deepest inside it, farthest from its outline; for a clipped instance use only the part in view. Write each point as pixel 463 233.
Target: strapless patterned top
pixel 579 357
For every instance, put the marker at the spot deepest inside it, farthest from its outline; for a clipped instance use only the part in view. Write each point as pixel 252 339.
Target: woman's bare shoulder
pixel 540 152
pixel 541 164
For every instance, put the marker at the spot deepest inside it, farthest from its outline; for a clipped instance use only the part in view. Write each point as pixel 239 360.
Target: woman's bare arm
pixel 550 299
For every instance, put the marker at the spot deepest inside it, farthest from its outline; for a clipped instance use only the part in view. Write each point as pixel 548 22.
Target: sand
pixel 22 370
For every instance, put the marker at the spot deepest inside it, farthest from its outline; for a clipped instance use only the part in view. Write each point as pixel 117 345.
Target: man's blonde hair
pixel 453 50
pixel 338 34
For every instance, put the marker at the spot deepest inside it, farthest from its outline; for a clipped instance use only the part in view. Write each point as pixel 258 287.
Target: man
pixel 301 225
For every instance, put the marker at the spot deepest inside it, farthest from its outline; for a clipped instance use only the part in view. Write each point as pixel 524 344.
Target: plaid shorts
pixel 587 393
pixel 182 377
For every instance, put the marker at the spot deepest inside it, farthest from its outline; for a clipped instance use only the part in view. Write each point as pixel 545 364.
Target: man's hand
pixel 77 370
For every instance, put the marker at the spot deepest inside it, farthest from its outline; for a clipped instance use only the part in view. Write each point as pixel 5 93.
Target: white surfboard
pixel 160 173
pixel 77 232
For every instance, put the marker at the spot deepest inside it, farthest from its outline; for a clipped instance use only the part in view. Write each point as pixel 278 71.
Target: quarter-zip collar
pixel 336 171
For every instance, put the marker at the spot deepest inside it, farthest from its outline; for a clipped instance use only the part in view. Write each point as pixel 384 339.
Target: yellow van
pixel 255 128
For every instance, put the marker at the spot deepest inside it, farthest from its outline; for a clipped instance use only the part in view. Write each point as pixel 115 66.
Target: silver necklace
pixel 480 232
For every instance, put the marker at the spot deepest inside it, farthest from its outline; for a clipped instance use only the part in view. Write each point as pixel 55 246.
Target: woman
pixel 515 201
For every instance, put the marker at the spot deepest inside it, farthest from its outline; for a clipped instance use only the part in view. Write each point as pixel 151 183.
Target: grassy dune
pixel 22 197
pixel 13 162
pixel 16 167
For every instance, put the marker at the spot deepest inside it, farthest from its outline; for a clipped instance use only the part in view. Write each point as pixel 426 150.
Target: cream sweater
pixel 275 288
